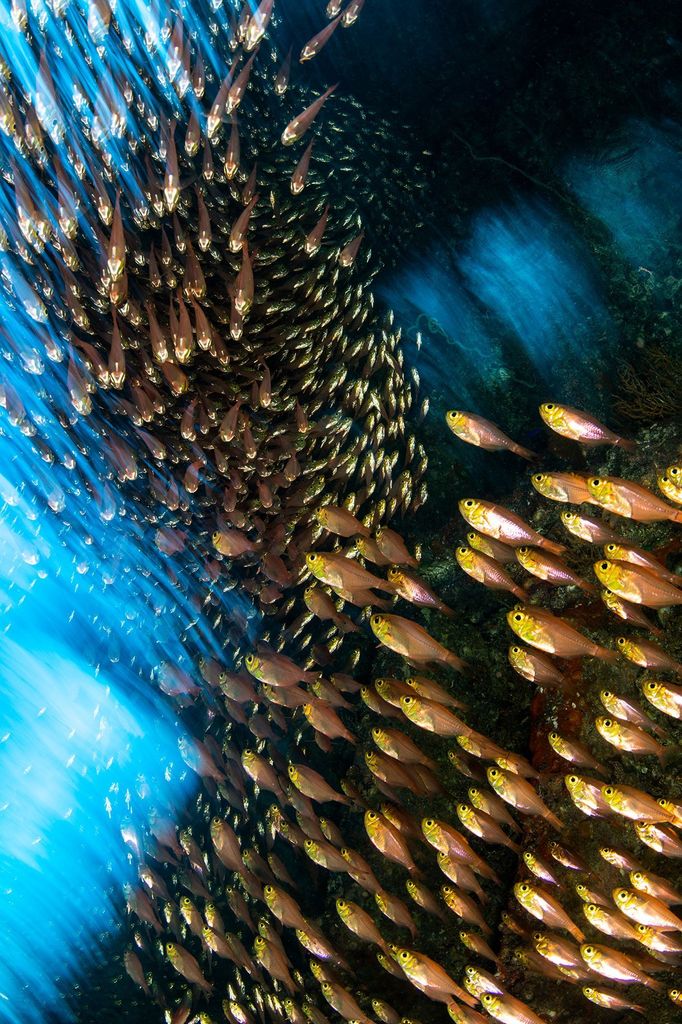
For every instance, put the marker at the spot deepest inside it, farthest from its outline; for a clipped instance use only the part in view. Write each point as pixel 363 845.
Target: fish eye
pixel 523 550
pixel 573 779
pixel 516 650
pixel 429 822
pixel 607 723
pixel 372 815
pixel 589 950
pixel 493 773
pixel 268 889
pixel 469 503
pixel 595 481
pixel 651 686
pixel 404 954
pixel 610 547
pixel 554 736
pixel 376 619
pixel 603 566
pixel 461 550
pixel 607 694
pixel 549 406
pixel 408 700
pixel 608 790
pixel 621 641
pixel 538 477
pixel 524 888
pixel 518 617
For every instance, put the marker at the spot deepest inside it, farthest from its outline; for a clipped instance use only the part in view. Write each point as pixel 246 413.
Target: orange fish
pixel 551 569
pixel 637 584
pixel 412 641
pixel 297 128
pixel 487 571
pixel 499 523
pixel 581 426
pixel 413 589
pixel 340 521
pixel 482 433
pixel 551 634
pixel 631 500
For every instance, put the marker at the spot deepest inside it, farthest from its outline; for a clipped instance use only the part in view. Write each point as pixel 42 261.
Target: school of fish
pixel 217 324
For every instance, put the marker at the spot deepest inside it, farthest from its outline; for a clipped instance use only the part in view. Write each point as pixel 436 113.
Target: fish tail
pixel 556 822
pixel 676 516
pixel 669 753
pixel 551 545
pixel 525 453
pixel 626 444
pixel 577 934
pixel 589 588
pixel 446 610
pixel 520 593
pixel 605 653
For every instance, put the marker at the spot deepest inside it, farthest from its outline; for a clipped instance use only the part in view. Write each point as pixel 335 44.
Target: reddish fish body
pixel 314 45
pixel 412 641
pixel 501 524
pixel 297 128
pixel 483 434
